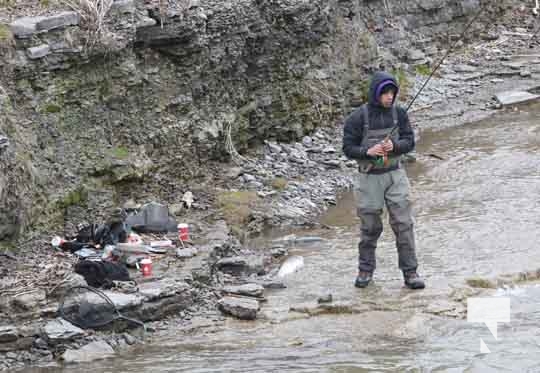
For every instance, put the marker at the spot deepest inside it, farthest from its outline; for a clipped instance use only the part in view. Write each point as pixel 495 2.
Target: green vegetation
pixel 52 108
pixel 364 90
pixel 403 81
pixel 6 37
pixel 7 3
pixel 279 183
pixel 478 282
pixel 78 196
pixel 423 70
pixel 5 32
pixel 120 152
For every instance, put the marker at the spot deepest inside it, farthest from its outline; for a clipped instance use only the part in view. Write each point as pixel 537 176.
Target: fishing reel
pixel 381 160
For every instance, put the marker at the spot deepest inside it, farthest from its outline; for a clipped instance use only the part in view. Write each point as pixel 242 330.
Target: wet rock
pixel 59 330
pixel 270 283
pixel 327 298
pixel 161 289
pixel 294 239
pixel 8 333
pixel 120 300
pixel 159 308
pixel 241 308
pixel 314 309
pixel 479 282
pixel 515 97
pixel 446 308
pixel 30 301
pixel 90 352
pixel 188 252
pixel 250 290
pixel 525 73
pixel 241 265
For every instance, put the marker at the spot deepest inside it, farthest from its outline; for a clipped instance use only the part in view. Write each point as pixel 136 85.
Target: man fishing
pixel 376 135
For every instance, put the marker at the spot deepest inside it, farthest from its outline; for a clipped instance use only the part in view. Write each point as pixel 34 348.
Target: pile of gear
pixel 105 250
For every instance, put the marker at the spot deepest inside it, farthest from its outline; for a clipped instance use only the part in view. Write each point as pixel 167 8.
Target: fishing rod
pixel 382 160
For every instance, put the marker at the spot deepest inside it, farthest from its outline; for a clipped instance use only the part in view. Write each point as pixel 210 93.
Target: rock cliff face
pixel 98 110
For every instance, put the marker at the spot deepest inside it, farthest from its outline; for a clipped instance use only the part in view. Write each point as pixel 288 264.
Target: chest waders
pixel 372 137
pixel 375 190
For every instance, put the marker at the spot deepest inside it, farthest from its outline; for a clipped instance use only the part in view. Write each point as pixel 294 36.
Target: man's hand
pixel 376 150
pixel 388 145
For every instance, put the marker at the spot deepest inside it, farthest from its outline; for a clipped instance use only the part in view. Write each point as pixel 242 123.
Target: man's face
pixel 387 99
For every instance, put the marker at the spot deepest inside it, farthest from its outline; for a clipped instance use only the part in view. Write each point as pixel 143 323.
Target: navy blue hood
pixel 378 82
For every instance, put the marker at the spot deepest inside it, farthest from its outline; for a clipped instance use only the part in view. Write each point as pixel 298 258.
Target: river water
pixel 477 214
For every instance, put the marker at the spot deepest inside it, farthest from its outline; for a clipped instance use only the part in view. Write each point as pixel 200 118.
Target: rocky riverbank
pixel 275 185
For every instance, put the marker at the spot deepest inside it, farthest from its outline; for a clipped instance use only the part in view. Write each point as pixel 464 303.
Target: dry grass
pixel 93 15
pixel 279 183
pixel 236 206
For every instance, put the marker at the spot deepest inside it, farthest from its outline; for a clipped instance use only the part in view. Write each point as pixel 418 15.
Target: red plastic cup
pixel 183 232
pixel 145 266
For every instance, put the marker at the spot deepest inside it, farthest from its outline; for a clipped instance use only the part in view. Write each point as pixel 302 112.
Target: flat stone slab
pixel 241 264
pixel 30 301
pixel 161 289
pixel 38 52
pixel 60 330
pixel 25 27
pixel 90 352
pixel 59 20
pixel 120 300
pixel 241 308
pixel 250 290
pixel 515 97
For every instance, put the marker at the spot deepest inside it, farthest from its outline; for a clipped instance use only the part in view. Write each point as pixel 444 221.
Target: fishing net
pixel 90 308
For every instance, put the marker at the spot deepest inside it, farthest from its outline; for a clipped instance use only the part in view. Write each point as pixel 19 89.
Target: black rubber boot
pixel 363 279
pixel 413 281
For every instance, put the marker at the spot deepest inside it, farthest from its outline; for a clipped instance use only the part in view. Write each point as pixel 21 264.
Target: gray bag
pixel 153 218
